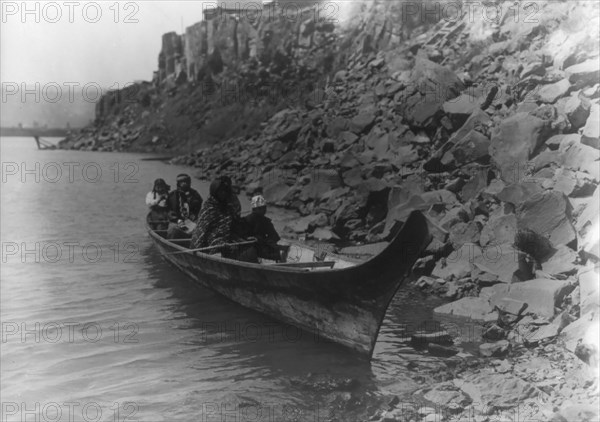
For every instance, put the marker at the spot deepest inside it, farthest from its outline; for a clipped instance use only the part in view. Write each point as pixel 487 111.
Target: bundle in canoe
pixel 339 300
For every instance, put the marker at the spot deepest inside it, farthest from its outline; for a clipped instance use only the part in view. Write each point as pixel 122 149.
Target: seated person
pixel 259 226
pixel 156 199
pixel 233 198
pixel 184 205
pixel 217 222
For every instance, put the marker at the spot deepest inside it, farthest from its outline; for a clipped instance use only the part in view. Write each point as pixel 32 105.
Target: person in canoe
pixel 218 224
pixel 184 206
pixel 156 199
pixel 260 227
pixel 233 198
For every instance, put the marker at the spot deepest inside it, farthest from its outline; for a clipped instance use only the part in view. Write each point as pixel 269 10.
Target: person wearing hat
pixel 184 205
pixel 156 199
pixel 259 226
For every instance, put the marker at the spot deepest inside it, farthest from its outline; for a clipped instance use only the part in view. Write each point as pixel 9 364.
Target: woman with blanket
pixel 219 223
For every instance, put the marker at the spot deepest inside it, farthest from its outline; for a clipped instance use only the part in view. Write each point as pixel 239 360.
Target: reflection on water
pixel 92 314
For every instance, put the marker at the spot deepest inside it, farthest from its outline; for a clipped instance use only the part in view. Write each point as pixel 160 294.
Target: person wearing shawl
pixel 156 199
pixel 218 224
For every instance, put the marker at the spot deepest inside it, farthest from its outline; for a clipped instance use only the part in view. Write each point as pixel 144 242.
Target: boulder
pixel 336 126
pixel 516 140
pixel 589 284
pixel 583 334
pixel 549 331
pixel 362 123
pixel 460 108
pixel 517 193
pixel 446 394
pixel 511 306
pixel 552 92
pixel 577 109
pixel 548 213
pixel 433 85
pixel 579 412
pixel 587 72
pixel 302 224
pixel 588 226
pixel 575 155
pixel 474 308
pixel 462 233
pixel 457 265
pixel 505 261
pixel 497 349
pixel 541 295
pixel 494 391
pixel 454 216
pixel 421 202
pixel 499 229
pixel 475 185
pixel 275 192
pixel 591 131
pixel 353 177
pixel 473 147
pixel 562 261
pixel 536 245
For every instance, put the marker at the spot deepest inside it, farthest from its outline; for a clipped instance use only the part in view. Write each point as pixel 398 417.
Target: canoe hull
pixel 344 305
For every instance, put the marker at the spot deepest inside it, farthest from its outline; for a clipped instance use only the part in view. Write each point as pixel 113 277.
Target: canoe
pixel 338 299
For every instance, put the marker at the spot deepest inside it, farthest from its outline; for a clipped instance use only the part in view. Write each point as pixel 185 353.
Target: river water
pixel 97 327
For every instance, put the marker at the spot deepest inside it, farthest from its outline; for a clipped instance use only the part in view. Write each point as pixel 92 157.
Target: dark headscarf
pixel 219 185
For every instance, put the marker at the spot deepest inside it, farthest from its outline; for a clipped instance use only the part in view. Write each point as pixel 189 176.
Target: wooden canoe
pixel 344 301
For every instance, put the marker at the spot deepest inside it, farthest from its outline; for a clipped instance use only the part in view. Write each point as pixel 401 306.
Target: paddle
pixel 249 242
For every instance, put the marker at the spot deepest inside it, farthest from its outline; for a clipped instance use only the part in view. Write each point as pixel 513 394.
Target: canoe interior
pixel 298 254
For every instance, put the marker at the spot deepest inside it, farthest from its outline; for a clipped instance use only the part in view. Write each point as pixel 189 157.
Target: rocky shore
pixel 492 129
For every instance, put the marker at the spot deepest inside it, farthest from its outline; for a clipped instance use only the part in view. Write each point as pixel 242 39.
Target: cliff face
pixel 241 61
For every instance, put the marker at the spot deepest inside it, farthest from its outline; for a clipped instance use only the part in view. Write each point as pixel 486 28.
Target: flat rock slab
pixel 584 331
pixel 591 130
pixel 473 147
pixel 504 261
pixel 561 262
pixel 461 107
pixel 541 295
pixel 588 225
pixel 587 71
pixel 549 214
pixel 474 308
pixel 514 142
pixel 589 285
pixel 498 391
pixel 552 92
pixel 497 349
pixel 500 229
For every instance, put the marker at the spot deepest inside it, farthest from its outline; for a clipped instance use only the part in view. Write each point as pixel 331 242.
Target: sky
pixel 107 43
